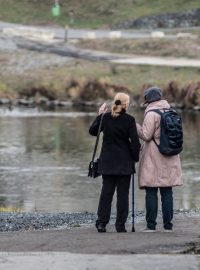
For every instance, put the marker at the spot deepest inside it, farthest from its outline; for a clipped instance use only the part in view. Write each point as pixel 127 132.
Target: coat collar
pixel 160 104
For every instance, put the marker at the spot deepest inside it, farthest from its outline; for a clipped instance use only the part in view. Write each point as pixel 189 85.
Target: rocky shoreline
pixel 93 93
pixel 46 104
pixel 190 18
pixel 37 221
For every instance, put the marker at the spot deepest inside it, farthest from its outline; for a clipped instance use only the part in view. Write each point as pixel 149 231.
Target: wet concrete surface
pixel 69 261
pixel 85 240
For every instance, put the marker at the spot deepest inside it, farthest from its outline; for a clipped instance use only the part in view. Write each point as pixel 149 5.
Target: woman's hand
pixel 103 108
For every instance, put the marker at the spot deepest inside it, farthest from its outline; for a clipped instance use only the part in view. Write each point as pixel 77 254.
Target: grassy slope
pixel 182 47
pixel 89 13
pixel 96 13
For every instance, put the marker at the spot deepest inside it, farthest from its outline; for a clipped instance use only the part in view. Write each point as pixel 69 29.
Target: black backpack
pixel 171 132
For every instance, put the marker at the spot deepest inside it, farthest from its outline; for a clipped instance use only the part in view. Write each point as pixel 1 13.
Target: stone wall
pixel 188 18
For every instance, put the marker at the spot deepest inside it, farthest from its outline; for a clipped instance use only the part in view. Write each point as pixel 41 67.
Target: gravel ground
pixel 10 221
pixel 23 62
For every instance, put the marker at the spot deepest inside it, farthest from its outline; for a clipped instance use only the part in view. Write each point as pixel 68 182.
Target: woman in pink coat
pixel 156 170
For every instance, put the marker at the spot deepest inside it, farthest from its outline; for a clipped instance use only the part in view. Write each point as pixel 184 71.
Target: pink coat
pixel 156 170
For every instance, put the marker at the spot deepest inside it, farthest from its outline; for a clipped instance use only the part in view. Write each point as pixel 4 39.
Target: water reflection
pixel 191 160
pixel 44 158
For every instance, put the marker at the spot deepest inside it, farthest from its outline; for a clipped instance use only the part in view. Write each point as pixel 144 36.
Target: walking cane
pixel 133 204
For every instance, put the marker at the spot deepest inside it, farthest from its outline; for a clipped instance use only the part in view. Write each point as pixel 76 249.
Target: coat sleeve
pixel 134 141
pixel 147 130
pixel 93 130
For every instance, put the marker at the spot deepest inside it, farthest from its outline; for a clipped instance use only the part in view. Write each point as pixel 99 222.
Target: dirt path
pixel 71 51
pixel 159 61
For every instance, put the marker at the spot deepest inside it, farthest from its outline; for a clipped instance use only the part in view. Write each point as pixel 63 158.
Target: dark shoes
pixel 147 230
pixel 121 229
pixel 101 228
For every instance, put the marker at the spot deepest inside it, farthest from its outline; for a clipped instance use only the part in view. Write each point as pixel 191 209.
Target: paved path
pixel 85 249
pixel 82 33
pixel 102 33
pixel 158 61
pixel 69 261
pixel 184 239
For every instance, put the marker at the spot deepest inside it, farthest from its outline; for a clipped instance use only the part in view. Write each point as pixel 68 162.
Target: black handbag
pixel 93 169
pixel 94 164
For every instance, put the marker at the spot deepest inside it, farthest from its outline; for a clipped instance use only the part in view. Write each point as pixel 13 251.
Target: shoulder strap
pixel 160 113
pixel 97 139
pixel 154 110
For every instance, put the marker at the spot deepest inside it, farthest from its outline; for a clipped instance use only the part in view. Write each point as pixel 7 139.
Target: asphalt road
pixel 82 33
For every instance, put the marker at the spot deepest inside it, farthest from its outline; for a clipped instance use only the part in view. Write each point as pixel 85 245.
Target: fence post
pixel 66 33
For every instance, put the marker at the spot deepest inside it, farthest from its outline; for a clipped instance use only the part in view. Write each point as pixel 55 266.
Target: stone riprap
pixel 184 19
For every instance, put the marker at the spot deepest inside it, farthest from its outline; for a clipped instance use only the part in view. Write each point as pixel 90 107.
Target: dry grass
pixel 181 47
pixel 88 80
pixel 10 209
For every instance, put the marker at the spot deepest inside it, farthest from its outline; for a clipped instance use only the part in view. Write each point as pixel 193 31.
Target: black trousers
pixel 152 207
pixel 110 183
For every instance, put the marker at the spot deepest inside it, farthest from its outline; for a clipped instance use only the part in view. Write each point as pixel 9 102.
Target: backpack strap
pixel 97 139
pixel 156 110
pixel 160 113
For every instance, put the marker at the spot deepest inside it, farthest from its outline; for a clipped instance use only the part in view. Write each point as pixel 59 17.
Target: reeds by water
pixel 185 96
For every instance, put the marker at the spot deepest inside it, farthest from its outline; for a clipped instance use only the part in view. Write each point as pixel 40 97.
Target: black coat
pixel 120 147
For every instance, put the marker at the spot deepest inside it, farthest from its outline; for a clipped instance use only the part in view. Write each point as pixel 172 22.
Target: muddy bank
pixel 94 92
pixel 75 92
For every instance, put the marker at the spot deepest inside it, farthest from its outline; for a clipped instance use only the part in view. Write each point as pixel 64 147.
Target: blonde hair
pixel 117 109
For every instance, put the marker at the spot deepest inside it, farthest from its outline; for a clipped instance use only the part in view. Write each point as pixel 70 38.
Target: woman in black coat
pixel 120 151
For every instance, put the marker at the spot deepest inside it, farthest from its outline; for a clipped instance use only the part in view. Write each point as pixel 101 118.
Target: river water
pixel 44 157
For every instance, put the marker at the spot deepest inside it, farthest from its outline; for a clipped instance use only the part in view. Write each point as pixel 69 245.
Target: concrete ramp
pixel 70 261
